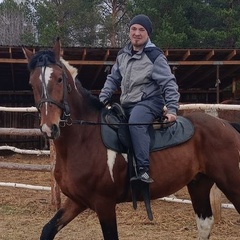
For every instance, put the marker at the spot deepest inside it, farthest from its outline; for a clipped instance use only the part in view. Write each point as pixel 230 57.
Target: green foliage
pixel 73 20
pixel 176 23
pixel 192 23
pixel 12 22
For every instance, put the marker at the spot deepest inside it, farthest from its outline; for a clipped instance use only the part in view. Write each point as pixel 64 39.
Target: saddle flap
pixel 115 116
pixel 110 129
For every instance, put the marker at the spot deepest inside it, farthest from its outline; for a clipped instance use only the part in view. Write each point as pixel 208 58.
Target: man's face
pixel 138 36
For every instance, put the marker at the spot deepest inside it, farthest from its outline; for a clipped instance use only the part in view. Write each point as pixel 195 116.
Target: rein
pixel 70 122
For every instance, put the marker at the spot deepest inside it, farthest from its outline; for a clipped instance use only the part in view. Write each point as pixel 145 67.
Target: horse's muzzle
pixel 52 132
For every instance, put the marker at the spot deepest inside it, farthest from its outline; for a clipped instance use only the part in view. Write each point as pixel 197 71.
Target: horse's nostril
pixel 55 131
pixel 54 128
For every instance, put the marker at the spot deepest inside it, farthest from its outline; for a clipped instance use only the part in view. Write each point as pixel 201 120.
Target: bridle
pixel 45 97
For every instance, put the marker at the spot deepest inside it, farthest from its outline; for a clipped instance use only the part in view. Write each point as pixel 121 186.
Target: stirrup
pixel 140 188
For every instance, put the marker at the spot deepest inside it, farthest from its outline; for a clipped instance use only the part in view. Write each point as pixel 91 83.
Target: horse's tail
pixel 235 125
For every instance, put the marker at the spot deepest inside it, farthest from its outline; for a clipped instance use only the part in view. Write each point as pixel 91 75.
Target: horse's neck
pixel 81 116
pixel 75 138
pixel 80 109
pixel 80 112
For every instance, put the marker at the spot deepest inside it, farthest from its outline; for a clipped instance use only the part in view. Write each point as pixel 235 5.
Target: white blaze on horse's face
pixel 46 88
pixel 47 77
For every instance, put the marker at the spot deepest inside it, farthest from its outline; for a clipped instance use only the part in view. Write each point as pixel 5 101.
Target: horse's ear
pixel 28 54
pixel 57 49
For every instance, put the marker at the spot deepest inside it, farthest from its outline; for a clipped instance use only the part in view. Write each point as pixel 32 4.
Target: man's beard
pixel 137 43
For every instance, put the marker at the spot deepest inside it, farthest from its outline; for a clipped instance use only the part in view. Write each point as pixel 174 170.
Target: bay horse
pixel 93 176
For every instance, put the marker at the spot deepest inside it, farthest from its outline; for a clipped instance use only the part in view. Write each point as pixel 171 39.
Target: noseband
pixel 44 62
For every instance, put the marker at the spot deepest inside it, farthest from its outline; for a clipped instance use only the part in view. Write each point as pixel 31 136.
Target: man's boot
pixel 143 175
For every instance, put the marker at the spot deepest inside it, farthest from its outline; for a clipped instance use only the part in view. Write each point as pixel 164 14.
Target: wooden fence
pixel 55 191
pixel 21 118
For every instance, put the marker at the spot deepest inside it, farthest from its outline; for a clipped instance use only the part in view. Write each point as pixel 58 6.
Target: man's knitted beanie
pixel 144 21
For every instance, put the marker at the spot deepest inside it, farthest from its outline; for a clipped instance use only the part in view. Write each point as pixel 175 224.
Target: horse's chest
pixel 68 182
pixel 62 178
pixel 67 186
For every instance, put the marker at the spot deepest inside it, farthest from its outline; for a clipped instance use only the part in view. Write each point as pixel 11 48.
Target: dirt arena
pixel 24 212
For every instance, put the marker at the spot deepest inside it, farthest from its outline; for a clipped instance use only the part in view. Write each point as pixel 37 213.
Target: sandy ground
pixel 24 212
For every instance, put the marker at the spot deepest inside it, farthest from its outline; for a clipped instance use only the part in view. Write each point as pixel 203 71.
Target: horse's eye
pixel 59 80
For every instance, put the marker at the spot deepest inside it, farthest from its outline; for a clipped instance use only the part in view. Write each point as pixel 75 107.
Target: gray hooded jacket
pixel 142 76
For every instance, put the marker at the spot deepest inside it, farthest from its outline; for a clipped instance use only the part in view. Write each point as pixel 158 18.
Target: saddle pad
pixel 178 133
pixel 163 138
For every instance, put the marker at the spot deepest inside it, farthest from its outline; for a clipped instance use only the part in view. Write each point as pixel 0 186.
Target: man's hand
pixel 107 103
pixel 170 117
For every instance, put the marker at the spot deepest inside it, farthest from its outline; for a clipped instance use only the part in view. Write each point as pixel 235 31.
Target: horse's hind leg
pixel 230 186
pixel 199 190
pixel 63 216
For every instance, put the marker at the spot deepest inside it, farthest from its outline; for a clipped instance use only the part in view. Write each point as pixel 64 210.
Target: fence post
pixel 216 202
pixel 55 190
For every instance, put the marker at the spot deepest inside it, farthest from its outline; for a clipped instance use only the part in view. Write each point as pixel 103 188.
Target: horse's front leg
pixel 106 212
pixel 64 215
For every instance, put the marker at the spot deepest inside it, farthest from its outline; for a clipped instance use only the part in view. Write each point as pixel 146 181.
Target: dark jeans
pixel 144 112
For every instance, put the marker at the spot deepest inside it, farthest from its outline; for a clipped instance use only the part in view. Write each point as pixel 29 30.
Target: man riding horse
pixel 147 84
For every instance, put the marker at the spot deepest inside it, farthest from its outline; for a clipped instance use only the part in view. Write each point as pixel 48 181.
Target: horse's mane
pixel 91 100
pixel 73 71
pixel 42 58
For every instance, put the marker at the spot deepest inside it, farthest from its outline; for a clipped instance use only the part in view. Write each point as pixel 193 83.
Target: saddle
pixel 115 132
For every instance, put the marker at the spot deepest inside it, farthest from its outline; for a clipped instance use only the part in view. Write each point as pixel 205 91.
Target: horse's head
pixel 49 80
